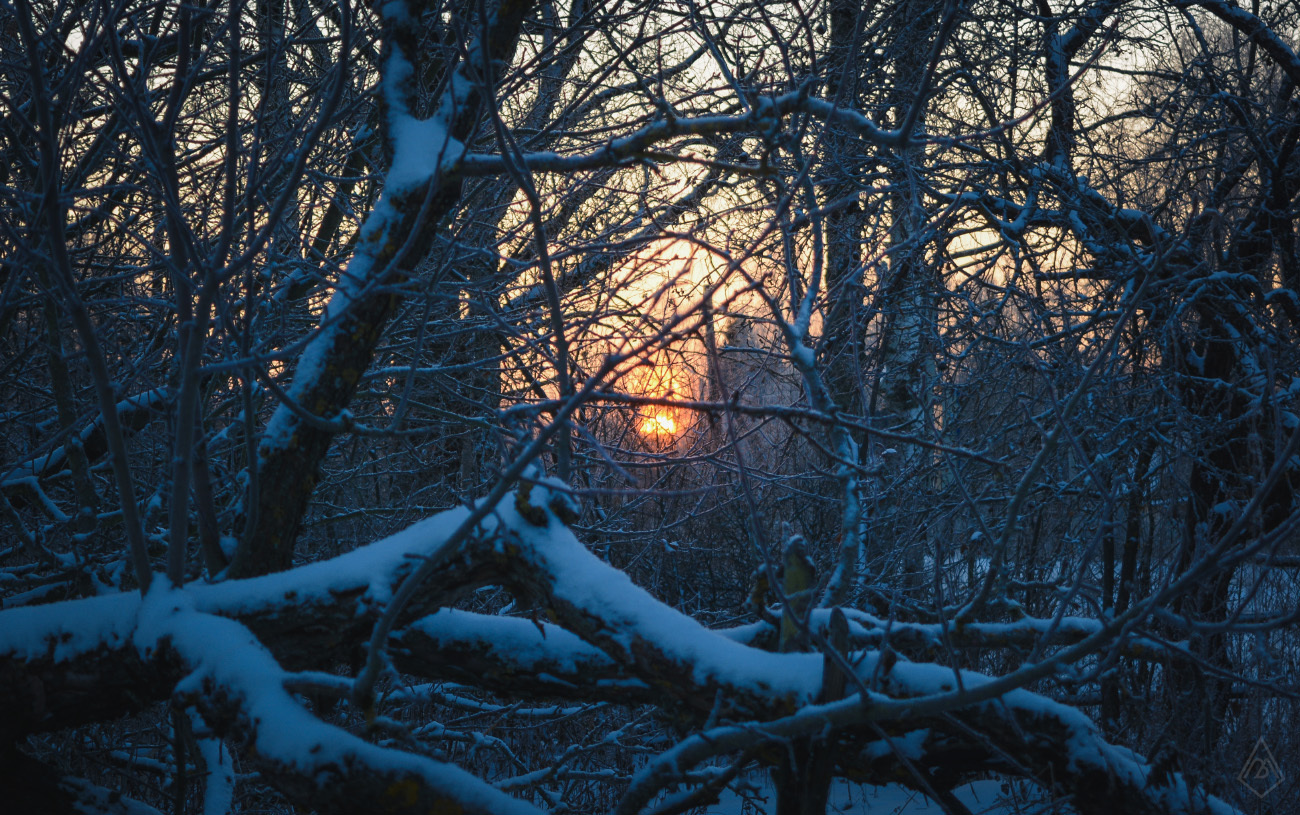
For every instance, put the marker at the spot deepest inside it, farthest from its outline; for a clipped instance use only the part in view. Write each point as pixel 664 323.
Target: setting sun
pixel 660 423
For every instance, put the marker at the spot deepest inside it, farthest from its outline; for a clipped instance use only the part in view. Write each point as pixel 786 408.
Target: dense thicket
pixel 625 400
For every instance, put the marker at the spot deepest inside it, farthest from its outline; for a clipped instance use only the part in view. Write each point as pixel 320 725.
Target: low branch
pixel 225 649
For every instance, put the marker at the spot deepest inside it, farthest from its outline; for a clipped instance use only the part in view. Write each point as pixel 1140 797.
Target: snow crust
pixel 511 638
pixel 630 614
pixel 67 630
pixel 63 631
pixel 225 654
pixel 422 148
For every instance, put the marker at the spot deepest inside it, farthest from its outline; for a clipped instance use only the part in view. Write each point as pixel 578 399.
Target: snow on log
pixel 224 650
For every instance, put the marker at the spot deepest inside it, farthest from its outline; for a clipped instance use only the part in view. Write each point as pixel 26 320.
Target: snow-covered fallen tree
pixel 240 653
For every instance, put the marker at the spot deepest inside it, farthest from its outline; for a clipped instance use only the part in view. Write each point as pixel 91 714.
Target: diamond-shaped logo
pixel 1261 775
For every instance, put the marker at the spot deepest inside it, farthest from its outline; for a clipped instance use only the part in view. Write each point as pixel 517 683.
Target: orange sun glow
pixel 660 423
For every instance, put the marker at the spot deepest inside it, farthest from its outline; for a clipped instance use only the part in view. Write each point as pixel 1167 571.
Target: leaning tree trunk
pixel 395 236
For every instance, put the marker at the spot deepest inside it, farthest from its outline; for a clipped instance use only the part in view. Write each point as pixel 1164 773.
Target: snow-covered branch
pixel 225 649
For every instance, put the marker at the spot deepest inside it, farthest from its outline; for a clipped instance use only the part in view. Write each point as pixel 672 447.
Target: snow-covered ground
pixel 981 797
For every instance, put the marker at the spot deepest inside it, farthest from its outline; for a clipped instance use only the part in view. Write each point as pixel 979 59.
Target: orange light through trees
pixel 665 291
pixel 659 424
